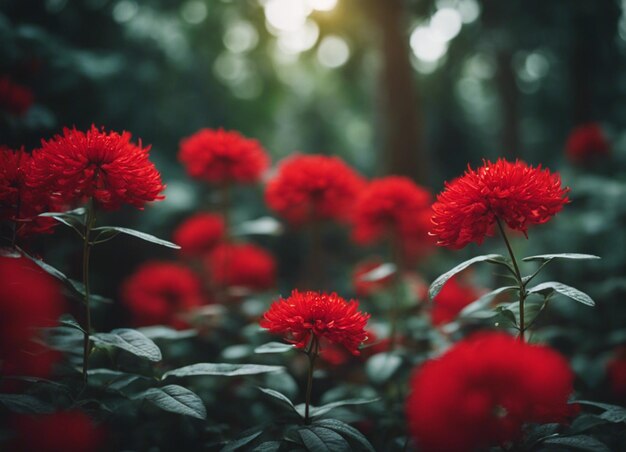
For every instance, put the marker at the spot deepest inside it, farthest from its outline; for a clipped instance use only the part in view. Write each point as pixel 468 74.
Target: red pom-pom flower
pixel 199 234
pixel 14 98
pixel 96 164
pixel 482 391
pixel 321 315
pixel 222 156
pixel 586 143
pixel 313 187
pixel 242 265
pixel 515 193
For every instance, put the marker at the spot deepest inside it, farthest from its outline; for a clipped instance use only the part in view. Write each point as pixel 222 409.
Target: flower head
pixel 199 234
pixel 313 187
pixel 515 193
pixel 96 164
pixel 586 143
pixel 484 389
pixel 161 293
pixel 325 316
pixel 14 98
pixel 241 265
pixel 221 156
pixel 451 300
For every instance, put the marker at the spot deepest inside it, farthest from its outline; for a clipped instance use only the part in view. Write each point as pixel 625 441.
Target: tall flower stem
pixel 518 276
pixel 315 277
pixel 312 353
pixel 396 257
pixel 90 221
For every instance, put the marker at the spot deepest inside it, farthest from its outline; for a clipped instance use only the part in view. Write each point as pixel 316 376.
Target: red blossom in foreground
pixel 241 265
pixel 451 300
pixel 69 431
pixel 96 164
pixel 313 187
pixel 222 156
pixel 160 293
pixel 14 98
pixel 586 143
pixel 516 193
pixel 199 234
pixel 396 208
pixel 616 374
pixel 19 202
pixel 326 316
pixel 482 391
pixel 29 299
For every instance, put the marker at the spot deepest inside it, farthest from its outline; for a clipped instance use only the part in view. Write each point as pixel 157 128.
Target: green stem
pixel 315 280
pixel 312 353
pixel 89 223
pixel 520 282
pixel 396 258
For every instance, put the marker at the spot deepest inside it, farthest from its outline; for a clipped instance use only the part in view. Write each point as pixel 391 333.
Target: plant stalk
pixel 312 353
pixel 89 224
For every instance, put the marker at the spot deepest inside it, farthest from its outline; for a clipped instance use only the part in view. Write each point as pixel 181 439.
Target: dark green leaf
pixel 578 442
pixel 586 422
pixel 382 366
pixel 563 289
pixel 274 347
pixel 176 399
pixel 281 398
pixel 268 446
pixel 438 284
pixel 575 256
pixel 347 431
pixel 159 332
pixel 25 404
pixel 112 379
pixel 321 410
pixel 236 444
pixel 321 439
pixel 70 322
pixel 484 301
pixel 222 369
pixel 131 341
pixel 612 413
pixel 138 234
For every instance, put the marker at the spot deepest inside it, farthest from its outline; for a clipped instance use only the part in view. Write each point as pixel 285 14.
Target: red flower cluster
pixel 69 431
pixel 29 299
pixel 160 293
pixel 241 265
pixel 586 143
pixel 454 296
pixel 313 187
pixel 325 316
pixel 616 373
pixel 96 164
pixel 199 234
pixel 19 202
pixel 516 193
pixel 14 98
pixel 393 207
pixel 221 156
pixel 483 390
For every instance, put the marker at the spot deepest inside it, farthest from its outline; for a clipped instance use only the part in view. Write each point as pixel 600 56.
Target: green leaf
pixel 281 398
pixel 586 422
pixel 176 399
pixel 70 322
pixel 438 284
pixel 25 404
pixel 321 439
pixel 112 379
pixel 563 289
pixel 346 431
pixel 274 347
pixel 380 272
pixel 138 234
pixel 484 301
pixel 575 256
pixel 321 410
pixel 131 341
pixel 612 413
pixel 382 366
pixel 236 444
pixel 159 332
pixel 221 369
pixel 268 446
pixel 578 442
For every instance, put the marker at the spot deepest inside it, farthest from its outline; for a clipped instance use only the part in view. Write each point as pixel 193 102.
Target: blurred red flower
pixel 616 374
pixel 325 316
pixel 451 300
pixel 19 202
pixel 516 193
pixel 96 164
pixel 483 390
pixel 222 156
pixel 68 431
pixel 159 293
pixel 586 143
pixel 313 187
pixel 393 207
pixel 29 299
pixel 241 265
pixel 199 233
pixel 14 98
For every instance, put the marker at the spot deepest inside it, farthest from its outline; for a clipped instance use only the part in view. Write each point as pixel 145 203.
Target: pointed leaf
pixel 575 256
pixel 380 272
pixel 221 369
pixel 382 366
pixel 131 341
pixel 281 398
pixel 176 399
pixel 578 442
pixel 260 226
pixel 161 332
pixel 563 289
pixel 138 234
pixel 612 413
pixel 321 410
pixel 236 444
pixel 25 404
pixel 347 431
pixel 274 347
pixel 320 439
pixel 438 284
pixel 484 301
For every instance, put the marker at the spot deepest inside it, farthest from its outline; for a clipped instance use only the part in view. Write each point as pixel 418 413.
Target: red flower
pixel 96 164
pixel 586 143
pixel 313 187
pixel 483 390
pixel 29 299
pixel 19 202
pixel 516 193
pixel 392 206
pixel 241 265
pixel 199 233
pixel 616 373
pixel 454 296
pixel 14 98
pixel 325 316
pixel 69 431
pixel 160 293
pixel 365 288
pixel 222 156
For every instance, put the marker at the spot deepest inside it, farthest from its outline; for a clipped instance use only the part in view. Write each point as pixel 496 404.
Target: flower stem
pixel 89 223
pixel 225 208
pixel 396 257
pixel 520 282
pixel 312 353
